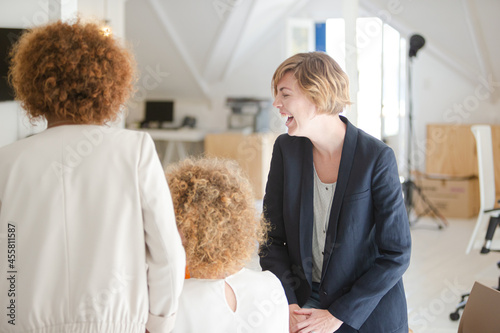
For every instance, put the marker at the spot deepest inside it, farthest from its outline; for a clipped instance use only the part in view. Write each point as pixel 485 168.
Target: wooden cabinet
pixel 252 152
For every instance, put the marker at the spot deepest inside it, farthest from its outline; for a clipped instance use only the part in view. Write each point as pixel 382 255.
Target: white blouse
pixel 261 305
pixel 323 199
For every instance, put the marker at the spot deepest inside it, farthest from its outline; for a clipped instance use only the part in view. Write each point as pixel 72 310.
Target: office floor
pixel 440 272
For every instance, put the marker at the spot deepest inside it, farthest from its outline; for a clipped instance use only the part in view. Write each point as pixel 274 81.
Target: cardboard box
pixel 481 311
pixel 452 196
pixel 451 151
pixel 253 153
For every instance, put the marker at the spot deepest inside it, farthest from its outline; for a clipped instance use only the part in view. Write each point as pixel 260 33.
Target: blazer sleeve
pixel 393 242
pixel 165 256
pixel 274 256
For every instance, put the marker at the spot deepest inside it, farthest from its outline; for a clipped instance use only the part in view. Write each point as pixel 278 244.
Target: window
pixel 300 36
pixel 381 53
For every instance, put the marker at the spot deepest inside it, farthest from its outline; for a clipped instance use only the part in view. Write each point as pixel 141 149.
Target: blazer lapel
pixel 306 210
pixel 348 151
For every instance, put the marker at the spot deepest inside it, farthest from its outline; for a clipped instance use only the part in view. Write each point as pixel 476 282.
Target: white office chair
pixel 487 212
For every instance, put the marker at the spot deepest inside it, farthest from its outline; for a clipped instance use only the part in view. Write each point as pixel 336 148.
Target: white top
pixel 323 198
pixel 87 212
pixel 261 305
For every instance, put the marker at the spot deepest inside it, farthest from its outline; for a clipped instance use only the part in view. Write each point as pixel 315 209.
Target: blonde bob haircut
pixel 320 78
pixel 216 216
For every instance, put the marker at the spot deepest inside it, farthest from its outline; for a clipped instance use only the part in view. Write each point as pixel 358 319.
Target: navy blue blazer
pixel 368 241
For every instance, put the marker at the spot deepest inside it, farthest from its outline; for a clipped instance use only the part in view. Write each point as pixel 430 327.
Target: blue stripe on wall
pixel 321 37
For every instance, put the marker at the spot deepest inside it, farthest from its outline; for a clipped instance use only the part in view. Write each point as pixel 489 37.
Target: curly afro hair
pixel 216 216
pixel 72 72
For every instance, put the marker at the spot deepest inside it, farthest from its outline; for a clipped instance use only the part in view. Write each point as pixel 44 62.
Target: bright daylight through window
pixel 381 54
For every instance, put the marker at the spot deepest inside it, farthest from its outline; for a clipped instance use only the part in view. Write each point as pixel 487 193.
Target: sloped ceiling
pixel 200 42
pixel 461 33
pixel 156 51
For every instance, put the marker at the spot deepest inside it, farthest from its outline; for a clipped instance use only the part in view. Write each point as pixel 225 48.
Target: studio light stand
pixel 410 188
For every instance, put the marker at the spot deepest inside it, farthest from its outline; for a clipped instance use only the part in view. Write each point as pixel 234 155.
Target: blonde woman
pixel 340 239
pixel 85 207
pixel 220 229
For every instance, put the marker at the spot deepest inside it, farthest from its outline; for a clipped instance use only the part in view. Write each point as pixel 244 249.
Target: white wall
pixel 18 14
pixel 443 96
pixel 27 13
pixel 114 12
pixel 253 77
pixel 8 122
pixel 23 14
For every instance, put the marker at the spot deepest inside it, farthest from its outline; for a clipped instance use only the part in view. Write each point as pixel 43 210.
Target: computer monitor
pixel 160 112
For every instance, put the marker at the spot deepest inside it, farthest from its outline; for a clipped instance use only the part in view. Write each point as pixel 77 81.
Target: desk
pixel 176 139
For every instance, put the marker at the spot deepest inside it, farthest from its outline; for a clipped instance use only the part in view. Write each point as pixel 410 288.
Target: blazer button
pixel 284 243
pixel 325 293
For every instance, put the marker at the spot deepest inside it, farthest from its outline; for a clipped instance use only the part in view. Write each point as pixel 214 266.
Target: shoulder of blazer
pixel 364 141
pixel 370 144
pixel 285 140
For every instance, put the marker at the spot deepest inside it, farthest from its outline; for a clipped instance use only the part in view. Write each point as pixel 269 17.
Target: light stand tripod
pixel 410 188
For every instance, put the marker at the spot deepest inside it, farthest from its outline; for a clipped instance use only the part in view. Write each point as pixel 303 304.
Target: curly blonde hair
pixel 216 215
pixel 71 71
pixel 319 77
